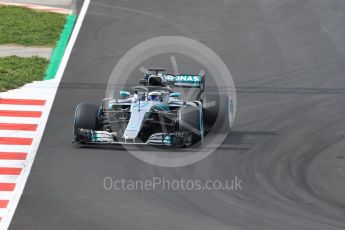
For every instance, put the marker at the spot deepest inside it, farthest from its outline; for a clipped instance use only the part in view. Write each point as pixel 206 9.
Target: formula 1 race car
pixel 153 114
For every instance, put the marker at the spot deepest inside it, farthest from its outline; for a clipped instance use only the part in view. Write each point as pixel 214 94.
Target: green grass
pixel 28 27
pixel 17 71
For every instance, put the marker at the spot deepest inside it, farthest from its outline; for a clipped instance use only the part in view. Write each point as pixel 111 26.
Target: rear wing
pixel 185 80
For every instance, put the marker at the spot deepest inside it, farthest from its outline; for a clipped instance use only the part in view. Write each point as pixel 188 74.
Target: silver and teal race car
pixel 153 113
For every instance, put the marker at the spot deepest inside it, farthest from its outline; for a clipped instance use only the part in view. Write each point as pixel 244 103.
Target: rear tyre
pixel 86 117
pixel 190 119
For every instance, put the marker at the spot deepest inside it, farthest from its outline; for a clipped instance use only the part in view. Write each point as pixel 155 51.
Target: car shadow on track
pixel 242 140
pixel 237 140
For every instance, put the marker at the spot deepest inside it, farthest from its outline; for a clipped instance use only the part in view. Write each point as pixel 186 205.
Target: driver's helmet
pixel 154 96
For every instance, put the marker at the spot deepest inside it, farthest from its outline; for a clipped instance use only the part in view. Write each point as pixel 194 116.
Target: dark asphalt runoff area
pixel 287 144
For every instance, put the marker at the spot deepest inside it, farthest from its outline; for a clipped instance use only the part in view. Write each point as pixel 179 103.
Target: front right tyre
pixel 86 117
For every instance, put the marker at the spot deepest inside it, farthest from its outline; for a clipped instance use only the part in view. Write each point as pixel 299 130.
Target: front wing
pixel 176 139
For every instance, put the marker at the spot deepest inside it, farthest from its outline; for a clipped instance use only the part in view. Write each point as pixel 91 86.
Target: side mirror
pixel 125 93
pixel 175 94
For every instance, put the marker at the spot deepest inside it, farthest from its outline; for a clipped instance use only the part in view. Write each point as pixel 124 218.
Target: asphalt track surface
pixel 287 145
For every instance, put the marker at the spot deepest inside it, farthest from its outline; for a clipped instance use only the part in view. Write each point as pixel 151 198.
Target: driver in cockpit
pixel 154 96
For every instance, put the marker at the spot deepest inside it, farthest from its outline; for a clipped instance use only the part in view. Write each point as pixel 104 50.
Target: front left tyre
pixel 190 119
pixel 218 112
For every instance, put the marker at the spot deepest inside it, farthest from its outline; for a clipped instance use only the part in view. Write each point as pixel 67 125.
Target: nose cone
pixel 137 119
pixel 130 134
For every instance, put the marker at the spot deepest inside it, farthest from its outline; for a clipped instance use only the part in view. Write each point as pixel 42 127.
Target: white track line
pixel 53 86
pixel 9 179
pixel 21 107
pixel 6 195
pixel 20 120
pixel 12 163
pixel 15 148
pixel 18 133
